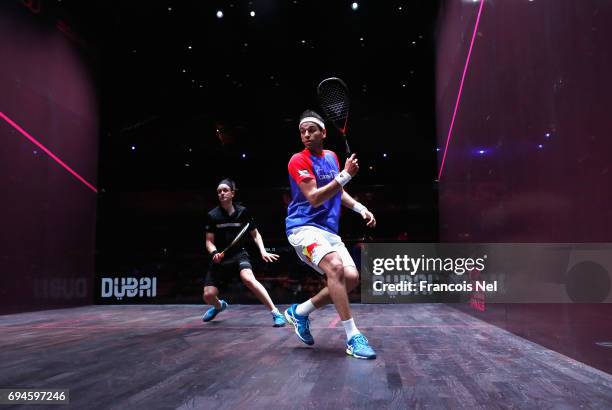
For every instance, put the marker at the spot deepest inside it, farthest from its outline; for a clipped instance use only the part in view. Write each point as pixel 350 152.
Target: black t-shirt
pixel 225 227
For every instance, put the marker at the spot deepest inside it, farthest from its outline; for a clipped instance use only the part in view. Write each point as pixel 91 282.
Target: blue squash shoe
pixel 300 323
pixel 359 347
pixel 279 319
pixel 213 312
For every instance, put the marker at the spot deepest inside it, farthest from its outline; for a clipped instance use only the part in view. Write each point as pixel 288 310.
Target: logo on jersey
pixel 303 173
pixel 309 249
pixel 326 175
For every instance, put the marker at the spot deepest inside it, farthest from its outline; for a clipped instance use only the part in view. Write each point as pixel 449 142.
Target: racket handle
pixel 348 149
pixel 220 257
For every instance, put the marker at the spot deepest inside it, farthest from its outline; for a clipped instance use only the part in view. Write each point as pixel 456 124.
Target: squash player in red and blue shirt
pixel 317 192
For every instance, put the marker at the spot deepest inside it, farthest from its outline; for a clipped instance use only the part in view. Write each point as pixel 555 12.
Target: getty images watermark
pixel 497 273
pixel 423 265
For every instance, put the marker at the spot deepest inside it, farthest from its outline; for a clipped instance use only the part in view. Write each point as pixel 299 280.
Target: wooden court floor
pixel 164 357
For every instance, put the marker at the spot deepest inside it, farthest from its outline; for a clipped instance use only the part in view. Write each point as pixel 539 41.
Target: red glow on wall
pixel 47 151
pixel 467 63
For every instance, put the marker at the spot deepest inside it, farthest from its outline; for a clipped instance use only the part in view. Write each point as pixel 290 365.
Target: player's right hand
pixel 218 257
pixel 352 165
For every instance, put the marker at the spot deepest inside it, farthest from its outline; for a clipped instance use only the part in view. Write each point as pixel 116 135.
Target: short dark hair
pixel 230 183
pixel 311 113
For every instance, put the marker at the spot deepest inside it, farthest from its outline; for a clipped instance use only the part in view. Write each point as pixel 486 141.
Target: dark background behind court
pixel 178 98
pixel 188 98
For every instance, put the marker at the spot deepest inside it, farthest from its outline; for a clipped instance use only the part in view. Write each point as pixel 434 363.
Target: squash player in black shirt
pixel 222 225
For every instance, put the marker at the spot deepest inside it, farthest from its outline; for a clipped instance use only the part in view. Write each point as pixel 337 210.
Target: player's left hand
pixel 369 218
pixel 269 257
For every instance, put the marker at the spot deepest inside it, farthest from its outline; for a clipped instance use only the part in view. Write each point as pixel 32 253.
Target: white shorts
pixel 311 244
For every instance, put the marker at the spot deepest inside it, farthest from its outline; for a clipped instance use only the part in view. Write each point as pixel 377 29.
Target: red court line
pixel 334 322
pixel 47 151
pixel 467 63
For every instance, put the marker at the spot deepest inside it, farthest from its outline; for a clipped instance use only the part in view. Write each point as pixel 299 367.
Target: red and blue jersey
pixel 323 168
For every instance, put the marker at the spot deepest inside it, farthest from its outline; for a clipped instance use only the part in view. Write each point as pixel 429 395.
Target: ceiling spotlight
pixel 385 155
pixel 219 14
pixel 243 155
pixel 355 5
pixel 133 147
pixel 252 13
pixel 189 47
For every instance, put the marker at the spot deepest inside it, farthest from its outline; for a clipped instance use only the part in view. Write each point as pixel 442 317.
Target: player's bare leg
pixel 333 267
pixel 248 278
pixel 351 279
pixel 211 297
pixel 256 287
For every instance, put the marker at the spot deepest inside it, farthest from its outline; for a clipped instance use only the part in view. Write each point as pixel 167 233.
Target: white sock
pixel 306 308
pixel 350 328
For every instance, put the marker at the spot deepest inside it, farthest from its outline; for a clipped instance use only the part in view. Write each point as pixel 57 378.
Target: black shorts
pixel 222 274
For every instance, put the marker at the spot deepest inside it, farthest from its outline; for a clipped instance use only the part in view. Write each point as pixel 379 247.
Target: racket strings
pixel 334 102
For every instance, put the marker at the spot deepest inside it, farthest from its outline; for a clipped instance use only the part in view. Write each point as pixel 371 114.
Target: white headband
pixel 312 119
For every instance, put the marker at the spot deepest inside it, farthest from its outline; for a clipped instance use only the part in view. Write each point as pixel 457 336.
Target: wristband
pixel 359 208
pixel 343 178
pixel 213 253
